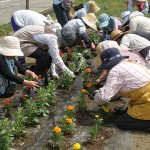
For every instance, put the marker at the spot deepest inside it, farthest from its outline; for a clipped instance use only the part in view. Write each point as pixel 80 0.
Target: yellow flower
pixel 88 70
pixel 83 91
pixel 105 108
pixel 57 129
pixel 97 116
pixel 89 85
pixel 77 146
pixel 70 108
pixel 69 120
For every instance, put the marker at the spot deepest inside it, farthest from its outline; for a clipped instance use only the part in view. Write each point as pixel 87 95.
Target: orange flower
pixel 7 102
pixel 57 129
pixel 27 88
pixel 83 91
pixel 69 120
pixel 88 70
pixel 70 108
pixel 89 85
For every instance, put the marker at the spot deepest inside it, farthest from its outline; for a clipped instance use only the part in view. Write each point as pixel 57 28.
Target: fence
pixel 8 7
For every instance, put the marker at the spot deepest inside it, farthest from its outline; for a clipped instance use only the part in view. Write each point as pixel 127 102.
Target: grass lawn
pixel 111 7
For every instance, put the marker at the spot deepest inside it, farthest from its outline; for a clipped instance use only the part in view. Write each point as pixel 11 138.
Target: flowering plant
pixel 105 110
pixel 68 125
pixel 97 124
pixel 77 146
pixel 81 101
pixel 19 123
pixel 56 137
pixel 66 81
pixel 70 112
pixel 86 75
pixel 6 136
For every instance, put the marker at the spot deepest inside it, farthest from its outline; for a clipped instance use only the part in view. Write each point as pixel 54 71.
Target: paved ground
pixel 7 7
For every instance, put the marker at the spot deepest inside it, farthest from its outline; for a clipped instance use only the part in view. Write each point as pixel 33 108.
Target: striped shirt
pixel 125 77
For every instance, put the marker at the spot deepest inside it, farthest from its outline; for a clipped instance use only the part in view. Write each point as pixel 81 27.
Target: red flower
pixel 69 52
pixel 39 76
pixel 60 53
pixel 46 70
pixel 7 102
pixel 23 96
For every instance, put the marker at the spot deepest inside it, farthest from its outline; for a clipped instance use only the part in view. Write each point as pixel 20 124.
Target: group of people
pixel 123 56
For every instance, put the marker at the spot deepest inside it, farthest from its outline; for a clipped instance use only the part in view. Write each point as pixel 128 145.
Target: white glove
pixel 70 73
pixel 53 71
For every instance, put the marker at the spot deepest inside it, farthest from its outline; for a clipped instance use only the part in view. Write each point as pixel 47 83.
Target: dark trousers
pixel 43 61
pixel 60 14
pixel 126 122
pixel 14 25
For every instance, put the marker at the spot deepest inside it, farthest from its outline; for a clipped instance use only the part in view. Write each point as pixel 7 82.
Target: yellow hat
pixel 97 60
pixel 90 19
pixel 117 33
pixel 93 7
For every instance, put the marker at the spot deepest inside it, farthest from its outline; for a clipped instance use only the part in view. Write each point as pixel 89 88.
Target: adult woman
pixel 10 48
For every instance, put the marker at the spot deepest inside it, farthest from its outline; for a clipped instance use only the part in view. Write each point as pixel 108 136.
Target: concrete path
pixel 7 7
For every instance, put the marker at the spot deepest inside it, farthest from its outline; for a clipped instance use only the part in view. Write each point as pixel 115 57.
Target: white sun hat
pixel 128 15
pixel 10 46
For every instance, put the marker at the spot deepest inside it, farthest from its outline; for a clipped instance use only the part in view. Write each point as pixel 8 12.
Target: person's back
pixel 140 23
pixel 28 17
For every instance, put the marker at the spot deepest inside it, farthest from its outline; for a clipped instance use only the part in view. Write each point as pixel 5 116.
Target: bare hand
pixel 31 84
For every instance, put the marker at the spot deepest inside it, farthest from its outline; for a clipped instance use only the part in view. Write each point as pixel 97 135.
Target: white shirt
pixel 125 77
pixel 52 41
pixel 78 25
pixel 140 23
pixel 27 17
pixel 80 13
pixel 135 42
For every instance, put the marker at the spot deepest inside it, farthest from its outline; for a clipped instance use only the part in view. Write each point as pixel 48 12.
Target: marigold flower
pixel 69 52
pixel 27 88
pixel 7 102
pixel 57 129
pixel 105 108
pixel 68 120
pixel 89 85
pixel 77 146
pixel 39 76
pixel 97 116
pixel 70 108
pixel 83 91
pixel 60 53
pixel 88 70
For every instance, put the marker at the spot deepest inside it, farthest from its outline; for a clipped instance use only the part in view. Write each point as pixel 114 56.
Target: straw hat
pixel 10 46
pixel 93 7
pixel 117 33
pixel 90 19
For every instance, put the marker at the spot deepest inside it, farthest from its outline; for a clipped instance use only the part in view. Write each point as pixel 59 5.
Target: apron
pixel 3 81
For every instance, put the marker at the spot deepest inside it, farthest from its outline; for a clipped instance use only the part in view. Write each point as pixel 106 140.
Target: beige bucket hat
pixel 117 33
pixel 93 7
pixel 90 19
pixel 10 46
pixel 141 0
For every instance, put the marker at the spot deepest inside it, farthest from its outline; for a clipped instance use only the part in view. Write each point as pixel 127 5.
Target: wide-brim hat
pixel 104 20
pixel 117 33
pixel 97 60
pixel 141 0
pixel 10 46
pixel 128 15
pixel 90 19
pixel 93 7
pixel 66 35
pixel 110 58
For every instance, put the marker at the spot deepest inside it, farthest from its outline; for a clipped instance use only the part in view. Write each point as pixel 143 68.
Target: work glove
pixel 70 73
pixel 76 8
